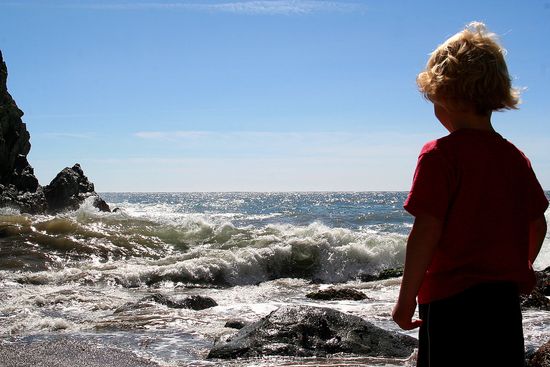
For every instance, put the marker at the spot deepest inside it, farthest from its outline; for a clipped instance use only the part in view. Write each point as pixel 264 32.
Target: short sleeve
pixel 431 189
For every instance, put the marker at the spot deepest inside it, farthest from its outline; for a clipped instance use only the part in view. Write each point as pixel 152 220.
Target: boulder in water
pixel 306 331
pixel 332 294
pixel 69 189
pixel 236 324
pixel 192 302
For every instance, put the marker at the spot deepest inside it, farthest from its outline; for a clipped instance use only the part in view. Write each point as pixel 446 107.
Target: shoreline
pixel 63 351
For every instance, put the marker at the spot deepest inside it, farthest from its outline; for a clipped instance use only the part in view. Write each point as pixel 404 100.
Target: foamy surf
pixel 75 274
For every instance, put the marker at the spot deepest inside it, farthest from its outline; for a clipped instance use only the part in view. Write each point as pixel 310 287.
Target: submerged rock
pixel 236 324
pixel 192 302
pixel 19 187
pixel 305 331
pixel 383 275
pixel 333 294
pixel 199 302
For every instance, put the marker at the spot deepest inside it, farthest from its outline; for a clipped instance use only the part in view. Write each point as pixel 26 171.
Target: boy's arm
pixel 421 246
pixel 537 232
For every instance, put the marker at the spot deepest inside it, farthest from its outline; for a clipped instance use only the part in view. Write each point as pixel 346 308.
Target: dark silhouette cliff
pixel 19 187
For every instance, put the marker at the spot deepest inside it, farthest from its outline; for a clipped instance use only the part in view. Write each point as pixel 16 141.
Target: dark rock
pixel 538 298
pixel 19 187
pixel 25 202
pixel 384 274
pixel 390 273
pixel 543 281
pixel 368 277
pixel 14 137
pixel 199 302
pixel 192 302
pixel 333 294
pixel 541 358
pixel 69 189
pixel 101 204
pixel 236 324
pixel 23 175
pixel 305 331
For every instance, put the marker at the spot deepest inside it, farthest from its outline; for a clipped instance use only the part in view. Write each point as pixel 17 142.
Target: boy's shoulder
pixel 469 141
pixel 437 145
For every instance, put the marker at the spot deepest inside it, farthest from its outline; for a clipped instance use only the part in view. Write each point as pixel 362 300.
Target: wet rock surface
pixel 305 331
pixel 541 358
pixel 383 275
pixel 69 189
pixel 192 302
pixel 19 187
pixel 236 324
pixel 337 294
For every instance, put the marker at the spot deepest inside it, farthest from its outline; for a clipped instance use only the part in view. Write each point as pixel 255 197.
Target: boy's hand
pixel 421 246
pixel 403 313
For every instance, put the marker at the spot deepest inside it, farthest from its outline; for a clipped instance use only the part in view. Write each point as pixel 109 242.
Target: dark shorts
pixel 481 326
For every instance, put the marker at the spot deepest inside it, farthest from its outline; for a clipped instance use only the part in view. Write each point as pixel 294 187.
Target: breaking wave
pixel 133 249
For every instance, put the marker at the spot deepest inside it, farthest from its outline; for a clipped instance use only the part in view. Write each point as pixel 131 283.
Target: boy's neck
pixel 472 121
pixel 453 119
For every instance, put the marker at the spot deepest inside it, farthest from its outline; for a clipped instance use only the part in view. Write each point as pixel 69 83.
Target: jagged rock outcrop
pixel 19 187
pixel 69 189
pixel 306 331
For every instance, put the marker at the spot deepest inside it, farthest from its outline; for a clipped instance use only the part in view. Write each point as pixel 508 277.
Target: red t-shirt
pixel 486 192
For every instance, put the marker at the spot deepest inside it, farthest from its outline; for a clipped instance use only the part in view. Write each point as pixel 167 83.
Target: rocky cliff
pixel 19 187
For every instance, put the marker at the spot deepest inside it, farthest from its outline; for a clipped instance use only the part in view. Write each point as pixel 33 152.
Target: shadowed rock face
pixel 14 137
pixel 305 331
pixel 19 188
pixel 69 189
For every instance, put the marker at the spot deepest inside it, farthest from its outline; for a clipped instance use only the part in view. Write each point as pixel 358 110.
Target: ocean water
pixel 71 274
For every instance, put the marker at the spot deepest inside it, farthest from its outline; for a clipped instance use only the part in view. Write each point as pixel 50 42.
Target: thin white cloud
pixel 288 143
pixel 55 135
pixel 250 135
pixel 171 135
pixel 252 7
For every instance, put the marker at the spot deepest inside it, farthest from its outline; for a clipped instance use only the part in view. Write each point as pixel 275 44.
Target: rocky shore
pixel 19 187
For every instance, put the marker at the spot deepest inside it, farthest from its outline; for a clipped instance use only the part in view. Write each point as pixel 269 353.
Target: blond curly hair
pixel 469 70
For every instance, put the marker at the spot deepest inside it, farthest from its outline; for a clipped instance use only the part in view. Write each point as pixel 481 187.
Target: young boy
pixel 479 215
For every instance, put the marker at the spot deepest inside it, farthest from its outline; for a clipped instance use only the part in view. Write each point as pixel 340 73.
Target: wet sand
pixel 66 352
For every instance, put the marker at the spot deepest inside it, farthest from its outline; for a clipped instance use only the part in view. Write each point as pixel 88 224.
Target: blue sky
pixel 252 95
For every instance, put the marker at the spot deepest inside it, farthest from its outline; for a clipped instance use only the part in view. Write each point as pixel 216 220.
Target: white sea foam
pixel 97 263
